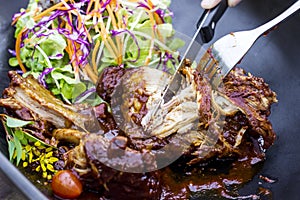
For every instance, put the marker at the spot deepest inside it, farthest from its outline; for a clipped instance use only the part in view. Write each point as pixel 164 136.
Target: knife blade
pixel 204 33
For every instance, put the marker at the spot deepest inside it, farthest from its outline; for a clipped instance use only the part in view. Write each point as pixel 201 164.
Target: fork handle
pixel 209 24
pixel 269 25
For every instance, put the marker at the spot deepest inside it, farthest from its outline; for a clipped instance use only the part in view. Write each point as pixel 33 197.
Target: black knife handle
pixel 208 30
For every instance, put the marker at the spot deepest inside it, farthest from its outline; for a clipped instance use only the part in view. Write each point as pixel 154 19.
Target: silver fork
pixel 226 52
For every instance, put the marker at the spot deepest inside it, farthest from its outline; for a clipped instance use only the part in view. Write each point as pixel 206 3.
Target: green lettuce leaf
pixel 13 122
pixel 53 45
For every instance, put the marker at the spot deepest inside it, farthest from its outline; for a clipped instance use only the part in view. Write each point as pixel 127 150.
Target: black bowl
pixel 275 57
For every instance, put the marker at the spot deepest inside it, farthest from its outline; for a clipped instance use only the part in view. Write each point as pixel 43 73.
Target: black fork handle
pixel 208 30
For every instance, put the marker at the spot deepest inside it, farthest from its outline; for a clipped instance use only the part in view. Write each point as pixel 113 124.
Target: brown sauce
pixel 222 181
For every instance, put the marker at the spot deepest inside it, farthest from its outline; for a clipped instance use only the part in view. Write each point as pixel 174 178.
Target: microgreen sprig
pixel 25 148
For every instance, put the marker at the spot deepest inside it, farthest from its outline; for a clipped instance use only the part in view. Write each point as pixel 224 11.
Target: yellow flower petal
pixel 45 174
pixel 50 167
pixel 38 168
pixel 37 144
pixel 43 166
pixel 28 148
pixel 30 156
pixel 23 155
pixel 53 160
pixel 36 152
pixel 25 164
pixel 49 149
pixel 48 155
pixel 49 177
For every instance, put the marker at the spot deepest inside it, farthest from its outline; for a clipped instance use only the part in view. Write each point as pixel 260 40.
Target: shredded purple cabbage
pixel 143 5
pixel 42 76
pixel 85 93
pixel 17 15
pixel 77 35
pixel 129 10
pixel 58 56
pixel 12 52
pixel 20 72
pixel 164 58
pixel 161 14
pixel 103 5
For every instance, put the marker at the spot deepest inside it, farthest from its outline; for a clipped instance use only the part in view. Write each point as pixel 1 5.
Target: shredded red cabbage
pixel 161 13
pixel 58 56
pixel 20 72
pixel 103 5
pixel 17 15
pixel 42 76
pixel 12 52
pixel 85 93
pixel 164 58
pixel 78 36
pixel 143 5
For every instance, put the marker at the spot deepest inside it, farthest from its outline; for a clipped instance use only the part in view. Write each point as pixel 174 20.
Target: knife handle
pixel 208 29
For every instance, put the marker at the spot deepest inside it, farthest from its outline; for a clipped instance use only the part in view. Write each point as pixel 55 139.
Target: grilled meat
pixel 219 122
pixel 27 99
pixel 197 125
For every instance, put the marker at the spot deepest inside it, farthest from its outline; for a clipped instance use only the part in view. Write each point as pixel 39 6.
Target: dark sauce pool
pixel 218 179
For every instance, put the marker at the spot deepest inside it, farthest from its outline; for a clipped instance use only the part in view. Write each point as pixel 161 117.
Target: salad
pixel 67 44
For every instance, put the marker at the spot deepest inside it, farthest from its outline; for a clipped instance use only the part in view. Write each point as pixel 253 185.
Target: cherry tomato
pixel 66 185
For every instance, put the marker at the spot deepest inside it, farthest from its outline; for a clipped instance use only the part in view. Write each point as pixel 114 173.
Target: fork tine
pixel 210 66
pixel 212 72
pixel 207 64
pixel 204 61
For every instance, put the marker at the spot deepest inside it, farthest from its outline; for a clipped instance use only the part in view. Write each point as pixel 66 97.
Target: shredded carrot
pixel 96 48
pixel 119 18
pixel 113 3
pixel 112 16
pixel 70 50
pixel 114 22
pixel 104 37
pixel 95 14
pixel 18 49
pixel 157 18
pixel 89 6
pixel 15 20
pixel 45 12
pixel 87 69
pixel 97 5
pixel 62 8
pixel 120 26
pixel 110 45
pixel 79 20
pixel 88 34
pixel 150 4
